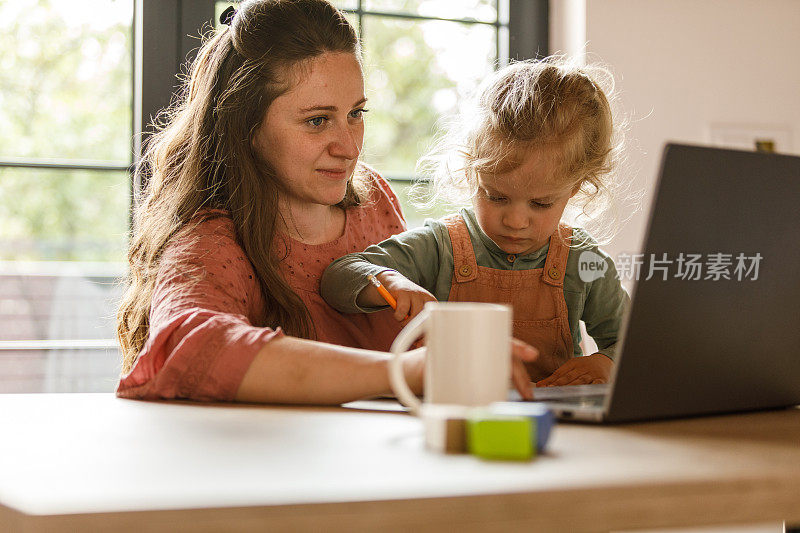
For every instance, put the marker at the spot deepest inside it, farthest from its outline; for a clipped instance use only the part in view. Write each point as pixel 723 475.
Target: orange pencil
pixel 383 292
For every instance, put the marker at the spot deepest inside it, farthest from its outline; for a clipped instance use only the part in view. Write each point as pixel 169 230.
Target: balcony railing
pixel 57 326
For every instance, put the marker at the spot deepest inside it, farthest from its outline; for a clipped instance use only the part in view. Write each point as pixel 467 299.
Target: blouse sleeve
pixel 202 338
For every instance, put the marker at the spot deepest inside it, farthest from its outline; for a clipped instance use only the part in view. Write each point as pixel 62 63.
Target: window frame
pixel 69 165
pixel 170 29
pixel 166 37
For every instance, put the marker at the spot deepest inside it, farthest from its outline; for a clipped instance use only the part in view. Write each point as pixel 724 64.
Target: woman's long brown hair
pixel 200 156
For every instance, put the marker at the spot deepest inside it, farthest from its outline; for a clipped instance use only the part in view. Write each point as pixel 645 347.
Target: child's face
pixel 519 210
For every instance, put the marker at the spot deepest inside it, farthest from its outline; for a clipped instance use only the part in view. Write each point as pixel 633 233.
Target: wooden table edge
pixel 676 504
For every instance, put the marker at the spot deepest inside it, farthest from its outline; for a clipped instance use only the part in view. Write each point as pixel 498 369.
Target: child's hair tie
pixel 227 16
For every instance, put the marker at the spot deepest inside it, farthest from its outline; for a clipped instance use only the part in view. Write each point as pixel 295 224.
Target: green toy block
pixel 542 418
pixel 501 437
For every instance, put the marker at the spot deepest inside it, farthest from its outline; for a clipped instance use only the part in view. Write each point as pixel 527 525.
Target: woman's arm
pixel 202 333
pixel 299 371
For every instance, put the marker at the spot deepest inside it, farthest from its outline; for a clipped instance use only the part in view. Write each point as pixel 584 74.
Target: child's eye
pixel 358 113
pixel 541 205
pixel 492 198
pixel 316 121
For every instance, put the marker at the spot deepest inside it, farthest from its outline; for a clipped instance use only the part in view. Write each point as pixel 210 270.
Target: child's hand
pixel 595 368
pixel 410 296
pixel 522 352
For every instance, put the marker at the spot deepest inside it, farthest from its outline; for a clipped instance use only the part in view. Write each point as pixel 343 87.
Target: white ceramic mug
pixel 468 359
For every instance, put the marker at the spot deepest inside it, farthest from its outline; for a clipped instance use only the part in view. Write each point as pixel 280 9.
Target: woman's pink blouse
pixel 207 299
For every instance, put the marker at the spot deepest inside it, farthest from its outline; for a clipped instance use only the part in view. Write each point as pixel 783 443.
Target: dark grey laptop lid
pixel 716 345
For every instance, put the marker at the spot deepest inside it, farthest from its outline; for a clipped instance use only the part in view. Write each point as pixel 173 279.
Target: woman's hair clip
pixel 227 16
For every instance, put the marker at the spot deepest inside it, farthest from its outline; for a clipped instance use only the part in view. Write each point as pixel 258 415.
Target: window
pixel 422 58
pixel 65 151
pixel 79 83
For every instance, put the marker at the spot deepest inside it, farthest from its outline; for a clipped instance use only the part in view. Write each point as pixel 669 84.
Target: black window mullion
pixel 528 29
pixel 167 37
pixel 497 27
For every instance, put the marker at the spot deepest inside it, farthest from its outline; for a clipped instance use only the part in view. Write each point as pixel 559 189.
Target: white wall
pixel 683 66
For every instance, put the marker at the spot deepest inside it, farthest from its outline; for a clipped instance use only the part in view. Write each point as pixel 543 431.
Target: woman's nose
pixel 345 144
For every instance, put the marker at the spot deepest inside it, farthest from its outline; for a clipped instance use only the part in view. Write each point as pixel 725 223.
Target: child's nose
pixel 516 219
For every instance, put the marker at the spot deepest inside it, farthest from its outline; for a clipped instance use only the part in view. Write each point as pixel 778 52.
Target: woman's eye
pixel 358 113
pixel 316 121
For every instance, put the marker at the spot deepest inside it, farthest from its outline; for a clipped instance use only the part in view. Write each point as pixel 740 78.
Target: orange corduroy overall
pixel 536 295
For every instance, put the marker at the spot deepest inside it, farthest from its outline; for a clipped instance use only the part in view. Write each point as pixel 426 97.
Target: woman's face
pixel 312 134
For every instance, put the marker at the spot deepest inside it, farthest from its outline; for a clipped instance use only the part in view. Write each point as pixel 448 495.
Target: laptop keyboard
pixel 592 395
pixel 570 392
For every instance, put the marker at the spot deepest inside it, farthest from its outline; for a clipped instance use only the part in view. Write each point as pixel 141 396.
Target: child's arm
pixel 605 304
pixel 408 296
pixel 409 262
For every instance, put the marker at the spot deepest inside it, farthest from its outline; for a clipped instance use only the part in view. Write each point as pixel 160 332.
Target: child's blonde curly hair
pixel 560 110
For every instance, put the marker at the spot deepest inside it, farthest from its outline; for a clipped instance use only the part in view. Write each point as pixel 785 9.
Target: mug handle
pixel 397 378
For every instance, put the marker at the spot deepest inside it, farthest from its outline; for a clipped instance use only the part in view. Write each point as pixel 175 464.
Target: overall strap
pixel 556 263
pixel 465 267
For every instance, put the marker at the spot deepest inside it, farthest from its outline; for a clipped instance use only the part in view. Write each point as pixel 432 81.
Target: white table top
pixel 102 458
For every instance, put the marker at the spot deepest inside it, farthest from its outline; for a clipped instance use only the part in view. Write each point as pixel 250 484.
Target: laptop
pixel 713 323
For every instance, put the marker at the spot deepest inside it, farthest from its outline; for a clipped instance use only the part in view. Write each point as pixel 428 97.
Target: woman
pixel 254 187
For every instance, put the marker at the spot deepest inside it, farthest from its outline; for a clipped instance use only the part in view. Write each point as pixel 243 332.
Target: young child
pixel 540 137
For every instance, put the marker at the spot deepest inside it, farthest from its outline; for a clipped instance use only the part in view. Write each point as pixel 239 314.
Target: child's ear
pixel 576 188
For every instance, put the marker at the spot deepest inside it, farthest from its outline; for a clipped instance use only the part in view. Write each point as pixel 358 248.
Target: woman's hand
pixel 522 352
pixel 414 369
pixel 595 368
pixel 410 296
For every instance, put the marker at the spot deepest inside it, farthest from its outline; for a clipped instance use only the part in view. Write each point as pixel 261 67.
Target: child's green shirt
pixel 425 256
